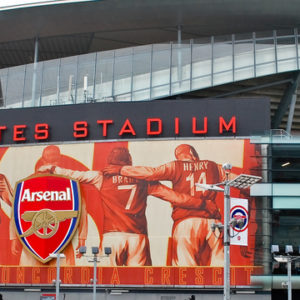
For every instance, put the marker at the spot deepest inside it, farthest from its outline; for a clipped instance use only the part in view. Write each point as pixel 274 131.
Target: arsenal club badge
pixel 46 213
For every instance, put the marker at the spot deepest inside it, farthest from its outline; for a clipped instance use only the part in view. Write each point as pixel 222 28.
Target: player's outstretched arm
pixel 178 199
pixel 89 177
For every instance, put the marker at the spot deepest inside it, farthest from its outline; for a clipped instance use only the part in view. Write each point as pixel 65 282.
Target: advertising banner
pixel 239 212
pixel 137 197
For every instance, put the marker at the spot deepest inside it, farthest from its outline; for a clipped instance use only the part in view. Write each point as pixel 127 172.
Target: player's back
pixel 124 204
pixel 186 175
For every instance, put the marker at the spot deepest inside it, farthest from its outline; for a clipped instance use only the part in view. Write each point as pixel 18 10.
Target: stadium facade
pixel 88 88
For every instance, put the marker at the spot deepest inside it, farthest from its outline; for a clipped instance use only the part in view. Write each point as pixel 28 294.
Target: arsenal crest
pixel 46 212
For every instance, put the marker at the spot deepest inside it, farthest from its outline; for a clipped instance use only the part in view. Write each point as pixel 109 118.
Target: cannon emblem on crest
pixel 45 222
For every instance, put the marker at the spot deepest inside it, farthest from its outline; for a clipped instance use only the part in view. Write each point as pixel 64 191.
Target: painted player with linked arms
pixel 124 201
pixel 194 244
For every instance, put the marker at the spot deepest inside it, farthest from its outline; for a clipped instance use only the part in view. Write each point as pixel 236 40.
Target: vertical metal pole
pixel 275 47
pixel 179 54
pixel 151 71
pixel 296 44
pixel 226 241
pixel 291 113
pixel 57 275
pixel 212 42
pixel 113 77
pixel 23 94
pixel 58 81
pixel 95 277
pixel 289 267
pixel 35 63
pixel 191 70
pixel 170 65
pixel 95 73
pixel 131 83
pixel 254 52
pixel 41 86
pixel 76 79
pixel 233 55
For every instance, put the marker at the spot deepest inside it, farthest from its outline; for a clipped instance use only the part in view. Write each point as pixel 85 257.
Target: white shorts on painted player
pixel 194 244
pixel 127 249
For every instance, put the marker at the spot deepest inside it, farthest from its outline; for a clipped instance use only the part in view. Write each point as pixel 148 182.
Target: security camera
pixel 227 167
pixel 233 222
pixel 240 223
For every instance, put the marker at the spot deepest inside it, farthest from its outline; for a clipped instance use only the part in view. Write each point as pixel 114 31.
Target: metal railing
pixel 151 71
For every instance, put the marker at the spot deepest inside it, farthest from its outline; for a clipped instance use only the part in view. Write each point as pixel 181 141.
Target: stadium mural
pixel 138 197
pixel 128 176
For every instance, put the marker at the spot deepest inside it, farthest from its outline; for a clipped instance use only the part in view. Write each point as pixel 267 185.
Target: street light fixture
pixel 95 252
pixel 242 181
pixel 287 258
pixel 58 256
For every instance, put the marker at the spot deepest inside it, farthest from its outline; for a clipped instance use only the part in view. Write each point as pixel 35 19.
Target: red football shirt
pixel 184 175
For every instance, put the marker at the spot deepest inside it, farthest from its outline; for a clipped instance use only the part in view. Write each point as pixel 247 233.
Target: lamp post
pixel 94 259
pixel 242 181
pixel 287 258
pixel 58 256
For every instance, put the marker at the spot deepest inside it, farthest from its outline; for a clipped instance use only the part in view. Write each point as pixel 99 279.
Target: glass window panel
pixel 141 69
pixel 265 51
pixel 222 57
pixel 123 72
pixel 180 86
pixel 286 227
pixel 287 65
pixel 223 77
pixel 181 68
pixel 201 82
pixel 50 84
pixel 85 78
pixel 3 84
pixel 161 65
pixel 104 75
pixel 141 95
pixel 67 80
pixel 243 73
pixel 15 87
pixel 265 69
pixel 123 97
pixel 243 54
pixel 160 91
pixel 286 48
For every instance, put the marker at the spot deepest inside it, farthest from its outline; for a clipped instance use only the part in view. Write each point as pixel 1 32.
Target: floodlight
pixel 274 249
pixel 289 249
pixel 244 181
pixel 95 250
pixel 281 258
pixel 57 255
pixel 107 250
pixel 82 249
